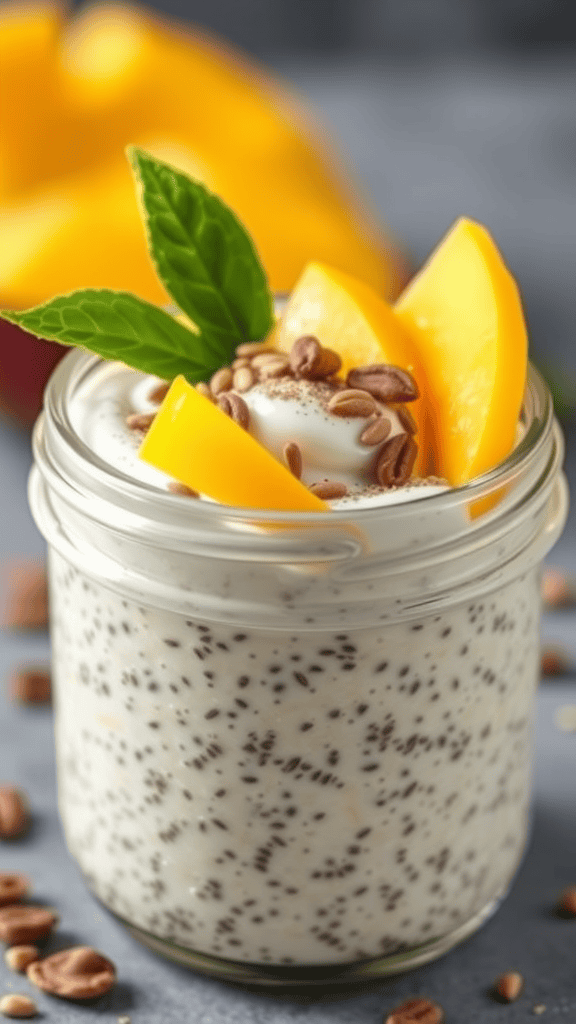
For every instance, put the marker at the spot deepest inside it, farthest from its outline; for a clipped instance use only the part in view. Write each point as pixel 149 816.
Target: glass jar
pixel 294 747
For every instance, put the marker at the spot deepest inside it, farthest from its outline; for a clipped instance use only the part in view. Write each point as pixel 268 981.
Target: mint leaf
pixel 117 325
pixel 203 255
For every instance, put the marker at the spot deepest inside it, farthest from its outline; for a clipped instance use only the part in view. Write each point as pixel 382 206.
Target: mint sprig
pixel 204 256
pixel 118 325
pixel 208 264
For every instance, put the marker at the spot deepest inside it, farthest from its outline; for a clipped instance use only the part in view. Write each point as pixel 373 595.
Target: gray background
pixel 429 140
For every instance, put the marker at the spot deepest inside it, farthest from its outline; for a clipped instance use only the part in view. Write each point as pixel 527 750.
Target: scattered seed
pixel 221 381
pixel 141 421
pixel 14 812
pixel 19 958
pixel 509 986
pixel 416 1011
pixel 558 588
pixel 567 902
pixel 25 595
pixel 31 685
pixel 565 717
pixel 327 489
pixel 176 487
pixel 553 661
pixel 352 402
pixel 538 1009
pixel 15 1005
pixel 293 457
pixel 13 888
pixel 242 379
pixel 235 407
pixel 252 348
pixel 376 431
pixel 158 393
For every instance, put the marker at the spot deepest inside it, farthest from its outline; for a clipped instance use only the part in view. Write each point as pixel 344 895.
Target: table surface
pixel 497 143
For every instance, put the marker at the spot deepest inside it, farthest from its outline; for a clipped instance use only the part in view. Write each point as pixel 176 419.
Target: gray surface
pixel 493 144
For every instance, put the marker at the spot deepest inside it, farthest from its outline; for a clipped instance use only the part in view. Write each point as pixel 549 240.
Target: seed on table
pixel 567 902
pixel 558 588
pixel 20 924
pixel 13 888
pixel 509 986
pixel 77 973
pixel 18 1006
pixel 553 661
pixel 14 812
pixel 31 685
pixel 416 1011
pixel 25 595
pixel 19 958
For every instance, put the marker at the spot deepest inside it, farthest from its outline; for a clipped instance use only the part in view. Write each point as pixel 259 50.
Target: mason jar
pixel 293 747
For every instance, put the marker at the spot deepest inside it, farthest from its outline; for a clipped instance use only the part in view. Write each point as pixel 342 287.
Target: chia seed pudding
pixel 316 758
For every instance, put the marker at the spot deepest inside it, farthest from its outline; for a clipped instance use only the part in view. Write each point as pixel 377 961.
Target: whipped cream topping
pixel 281 410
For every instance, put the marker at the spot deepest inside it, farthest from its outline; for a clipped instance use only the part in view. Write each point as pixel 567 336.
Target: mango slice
pixel 464 313
pixel 192 440
pixel 346 315
pixel 74 95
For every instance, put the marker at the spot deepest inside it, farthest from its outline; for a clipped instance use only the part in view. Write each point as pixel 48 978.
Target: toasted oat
pixel 176 487
pixel 141 421
pixel 376 431
pixel 242 378
pixel 293 457
pixel 221 381
pixel 327 489
pixel 352 403
pixel 252 348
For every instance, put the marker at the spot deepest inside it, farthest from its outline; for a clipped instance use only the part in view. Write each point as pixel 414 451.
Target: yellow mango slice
pixel 464 313
pixel 73 97
pixel 346 315
pixel 192 440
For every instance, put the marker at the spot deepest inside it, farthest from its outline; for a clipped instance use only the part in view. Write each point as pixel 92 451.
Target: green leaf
pixel 204 256
pixel 117 325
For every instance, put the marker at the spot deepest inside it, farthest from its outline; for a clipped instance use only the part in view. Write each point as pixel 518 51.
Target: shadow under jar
pixel 293 748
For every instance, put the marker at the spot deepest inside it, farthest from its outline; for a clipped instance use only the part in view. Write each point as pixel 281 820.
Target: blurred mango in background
pixel 74 93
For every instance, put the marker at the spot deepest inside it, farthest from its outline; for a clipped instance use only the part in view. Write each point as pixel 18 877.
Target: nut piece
pixel 293 457
pixel 221 380
pixel 140 421
pixel 158 393
pixel 76 973
pixel 275 366
pixel 395 460
pixel 25 598
pixel 509 986
pixel 19 958
pixel 558 590
pixel 309 361
pixel 18 1006
pixel 376 431
pixel 14 814
pixel 567 902
pixel 235 407
pixel 31 685
pixel 386 382
pixel 242 378
pixel 177 487
pixel 406 418
pixel 352 402
pixel 23 924
pixel 327 489
pixel 204 390
pixel 13 888
pixel 416 1011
